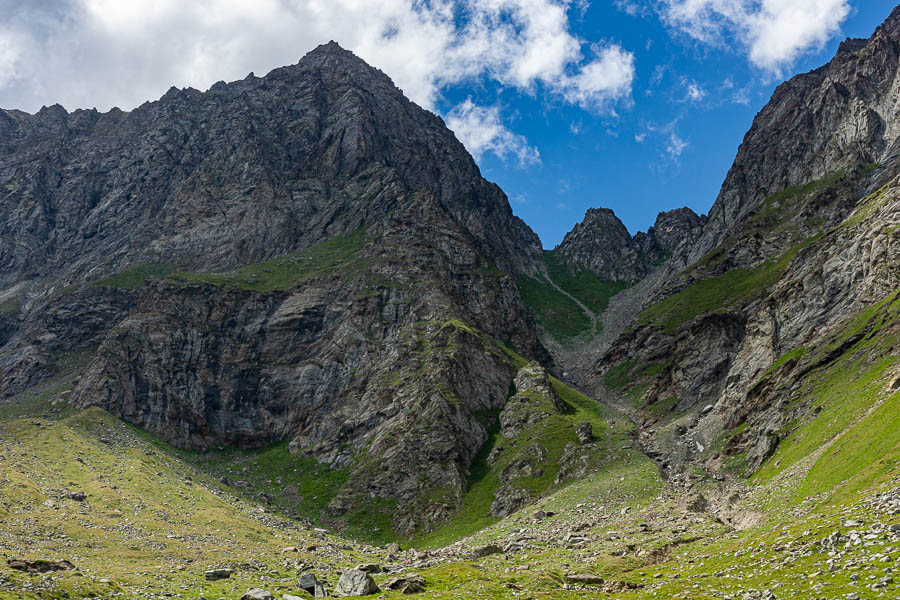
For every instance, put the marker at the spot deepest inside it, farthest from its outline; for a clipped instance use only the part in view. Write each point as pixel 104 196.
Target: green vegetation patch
pixel 718 293
pixel 856 416
pixel 558 314
pixel 553 434
pixel 291 483
pixel 134 277
pixel 774 215
pixel 592 291
pixel 340 254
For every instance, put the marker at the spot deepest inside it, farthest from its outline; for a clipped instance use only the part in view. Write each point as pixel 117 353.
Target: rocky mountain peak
pixel 840 116
pixel 601 244
pixel 243 172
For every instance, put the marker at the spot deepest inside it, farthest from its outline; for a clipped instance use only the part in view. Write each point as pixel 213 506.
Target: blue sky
pixel 634 105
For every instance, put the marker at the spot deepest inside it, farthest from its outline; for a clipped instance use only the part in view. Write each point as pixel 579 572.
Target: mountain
pixel 739 344
pixel 230 320
pixel 306 257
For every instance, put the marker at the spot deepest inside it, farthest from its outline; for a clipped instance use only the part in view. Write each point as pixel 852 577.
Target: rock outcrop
pixel 838 116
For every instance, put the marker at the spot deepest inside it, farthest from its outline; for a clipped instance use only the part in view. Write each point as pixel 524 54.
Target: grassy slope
pixel 735 288
pixel 773 217
pixel 859 415
pixel 557 313
pixel 151 522
pixel 339 253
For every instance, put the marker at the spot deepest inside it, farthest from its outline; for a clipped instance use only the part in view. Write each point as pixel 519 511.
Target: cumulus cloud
pixel 104 53
pixel 480 129
pixel 606 79
pixel 774 33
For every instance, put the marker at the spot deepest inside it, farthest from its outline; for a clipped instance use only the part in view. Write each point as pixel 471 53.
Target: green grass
pixel 297 485
pixel 340 254
pixel 775 215
pixel 558 314
pixel 867 206
pixel 134 277
pixel 849 384
pixel 619 376
pixel 736 287
pixel 151 524
pixel 793 355
pixel 592 291
pixel 663 408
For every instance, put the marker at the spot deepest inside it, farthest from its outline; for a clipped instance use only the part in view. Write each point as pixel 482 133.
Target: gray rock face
pixel 533 402
pixel 241 173
pixel 354 582
pixel 601 244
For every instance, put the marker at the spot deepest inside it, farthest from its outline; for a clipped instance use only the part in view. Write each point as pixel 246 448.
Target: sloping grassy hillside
pixel 149 523
pixel 557 313
pixel 337 254
pixel 853 435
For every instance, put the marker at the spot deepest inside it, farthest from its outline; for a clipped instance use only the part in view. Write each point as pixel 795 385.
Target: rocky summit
pixel 281 339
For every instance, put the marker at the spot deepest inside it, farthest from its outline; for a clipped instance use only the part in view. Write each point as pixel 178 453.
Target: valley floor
pixel 151 523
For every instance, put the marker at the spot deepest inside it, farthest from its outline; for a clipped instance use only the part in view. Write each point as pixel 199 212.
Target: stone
pixel 370 568
pixel 486 550
pixel 120 199
pixel 354 582
pixel 584 578
pixel 585 432
pixel 78 496
pixel 39 565
pixel 411 583
pixel 257 594
pixel 217 574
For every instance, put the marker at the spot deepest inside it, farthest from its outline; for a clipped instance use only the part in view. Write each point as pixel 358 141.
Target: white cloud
pixel 105 53
pixel 695 93
pixel 607 79
pixel 630 7
pixel 676 145
pixel 774 33
pixel 480 129
pixel 9 57
pixel 640 137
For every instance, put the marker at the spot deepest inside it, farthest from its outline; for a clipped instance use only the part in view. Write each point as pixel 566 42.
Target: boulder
pixel 585 432
pixel 257 594
pixel 217 574
pixel 412 583
pixel 310 584
pixel 354 582
pixel 486 550
pixel 584 578
pixel 38 565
